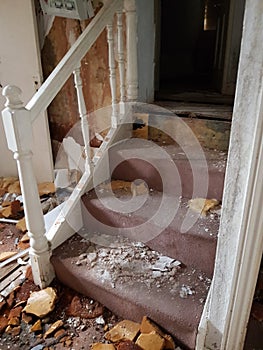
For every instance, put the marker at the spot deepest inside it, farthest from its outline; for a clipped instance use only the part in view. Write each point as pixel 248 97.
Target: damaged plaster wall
pixel 63 111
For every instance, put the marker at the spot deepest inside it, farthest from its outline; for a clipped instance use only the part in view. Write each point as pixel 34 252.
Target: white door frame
pixel 240 241
pixel 232 50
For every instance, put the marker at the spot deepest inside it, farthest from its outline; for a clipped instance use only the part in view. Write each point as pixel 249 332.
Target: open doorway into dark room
pixel 192 45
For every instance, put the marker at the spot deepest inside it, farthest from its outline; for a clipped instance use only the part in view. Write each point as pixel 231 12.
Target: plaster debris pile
pixel 204 206
pixel 128 261
pixel 128 335
pixel 119 260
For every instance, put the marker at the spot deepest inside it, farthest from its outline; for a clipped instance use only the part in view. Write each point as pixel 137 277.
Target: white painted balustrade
pixel 132 56
pixel 121 60
pixel 83 117
pixel 112 68
pixel 18 129
pixel 18 121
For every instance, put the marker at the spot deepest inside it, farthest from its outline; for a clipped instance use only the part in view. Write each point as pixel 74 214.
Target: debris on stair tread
pixel 202 205
pixel 122 261
pixel 135 188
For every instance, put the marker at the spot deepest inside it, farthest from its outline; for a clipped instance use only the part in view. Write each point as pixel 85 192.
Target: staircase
pixel 137 247
pixel 141 250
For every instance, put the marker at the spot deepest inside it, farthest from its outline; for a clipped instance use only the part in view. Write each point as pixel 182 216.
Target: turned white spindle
pixel 121 59
pixel 83 117
pixel 18 130
pixel 131 42
pixel 112 69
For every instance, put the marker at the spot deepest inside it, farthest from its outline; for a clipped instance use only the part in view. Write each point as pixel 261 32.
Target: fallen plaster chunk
pixel 25 238
pixel 74 152
pixel 45 188
pixel 62 178
pixel 100 346
pixel 139 188
pixel 37 326
pixel 124 330
pixel 55 326
pixel 100 320
pixel 185 291
pixel 202 205
pixel 151 341
pixel 21 225
pixel 148 326
pixel 41 303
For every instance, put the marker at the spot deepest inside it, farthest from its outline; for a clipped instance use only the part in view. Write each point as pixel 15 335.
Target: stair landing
pixel 132 280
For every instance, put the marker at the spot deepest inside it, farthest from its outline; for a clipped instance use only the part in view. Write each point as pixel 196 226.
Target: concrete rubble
pixel 203 206
pixel 128 335
pixel 41 303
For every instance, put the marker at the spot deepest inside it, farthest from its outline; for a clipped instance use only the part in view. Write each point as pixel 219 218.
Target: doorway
pixel 193 43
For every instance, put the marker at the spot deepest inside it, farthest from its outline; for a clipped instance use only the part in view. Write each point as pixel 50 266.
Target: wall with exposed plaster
pixel 63 111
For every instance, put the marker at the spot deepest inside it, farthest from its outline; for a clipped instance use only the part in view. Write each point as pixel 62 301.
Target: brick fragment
pixel 151 341
pixel 124 330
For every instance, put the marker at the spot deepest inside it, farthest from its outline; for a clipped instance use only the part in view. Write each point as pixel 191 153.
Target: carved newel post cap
pixel 12 94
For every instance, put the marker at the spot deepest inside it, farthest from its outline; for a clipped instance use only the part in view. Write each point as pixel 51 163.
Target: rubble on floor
pixel 51 318
pixel 128 335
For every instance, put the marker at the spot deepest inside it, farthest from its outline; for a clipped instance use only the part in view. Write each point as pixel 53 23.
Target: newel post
pixel 132 56
pixel 18 130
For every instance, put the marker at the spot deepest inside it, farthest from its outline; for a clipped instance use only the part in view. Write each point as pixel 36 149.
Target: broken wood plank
pixel 5 271
pixel 16 282
pixel 11 278
pixel 15 257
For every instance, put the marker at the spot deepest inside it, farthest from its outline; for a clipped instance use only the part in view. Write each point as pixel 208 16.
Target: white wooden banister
pixel 112 68
pixel 49 89
pixel 121 59
pixel 131 42
pixel 83 117
pixel 18 120
pixel 18 130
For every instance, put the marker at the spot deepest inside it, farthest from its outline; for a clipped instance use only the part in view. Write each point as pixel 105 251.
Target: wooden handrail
pixel 52 85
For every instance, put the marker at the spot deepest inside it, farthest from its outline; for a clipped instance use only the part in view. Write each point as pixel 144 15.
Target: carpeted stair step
pixel 195 172
pixel 164 222
pixel 133 281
